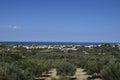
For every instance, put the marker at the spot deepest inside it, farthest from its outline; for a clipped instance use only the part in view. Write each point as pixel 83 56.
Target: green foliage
pixel 66 68
pixel 93 66
pixel 53 78
pixel 11 72
pixel 64 78
pixel 24 64
pixel 111 72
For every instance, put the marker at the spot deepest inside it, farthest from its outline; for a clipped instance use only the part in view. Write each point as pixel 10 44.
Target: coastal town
pixel 64 48
pixel 60 47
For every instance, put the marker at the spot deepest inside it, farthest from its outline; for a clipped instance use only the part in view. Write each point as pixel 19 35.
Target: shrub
pixel 66 68
pixel 53 78
pixel 64 78
pixel 93 66
pixel 111 72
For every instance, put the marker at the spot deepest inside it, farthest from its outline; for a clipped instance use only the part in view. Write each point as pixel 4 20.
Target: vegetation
pixel 20 63
pixel 113 71
pixel 66 69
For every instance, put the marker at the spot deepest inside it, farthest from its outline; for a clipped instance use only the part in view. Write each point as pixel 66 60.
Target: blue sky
pixel 60 20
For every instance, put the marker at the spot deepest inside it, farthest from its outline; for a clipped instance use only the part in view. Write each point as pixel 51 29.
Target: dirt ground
pixel 53 74
pixel 79 74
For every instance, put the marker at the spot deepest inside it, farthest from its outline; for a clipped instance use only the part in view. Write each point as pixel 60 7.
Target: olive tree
pixel 66 68
pixel 111 72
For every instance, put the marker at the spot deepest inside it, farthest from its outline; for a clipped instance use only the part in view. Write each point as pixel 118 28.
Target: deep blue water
pixel 55 43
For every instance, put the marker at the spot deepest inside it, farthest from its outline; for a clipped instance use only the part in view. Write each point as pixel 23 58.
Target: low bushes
pixel 66 68
pixel 111 72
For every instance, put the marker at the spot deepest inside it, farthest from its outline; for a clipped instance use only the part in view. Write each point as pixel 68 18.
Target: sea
pixel 54 43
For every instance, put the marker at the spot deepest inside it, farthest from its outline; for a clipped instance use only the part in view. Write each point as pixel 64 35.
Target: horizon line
pixel 66 41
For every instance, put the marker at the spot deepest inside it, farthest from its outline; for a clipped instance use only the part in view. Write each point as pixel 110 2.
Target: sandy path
pixel 80 74
pixel 53 74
